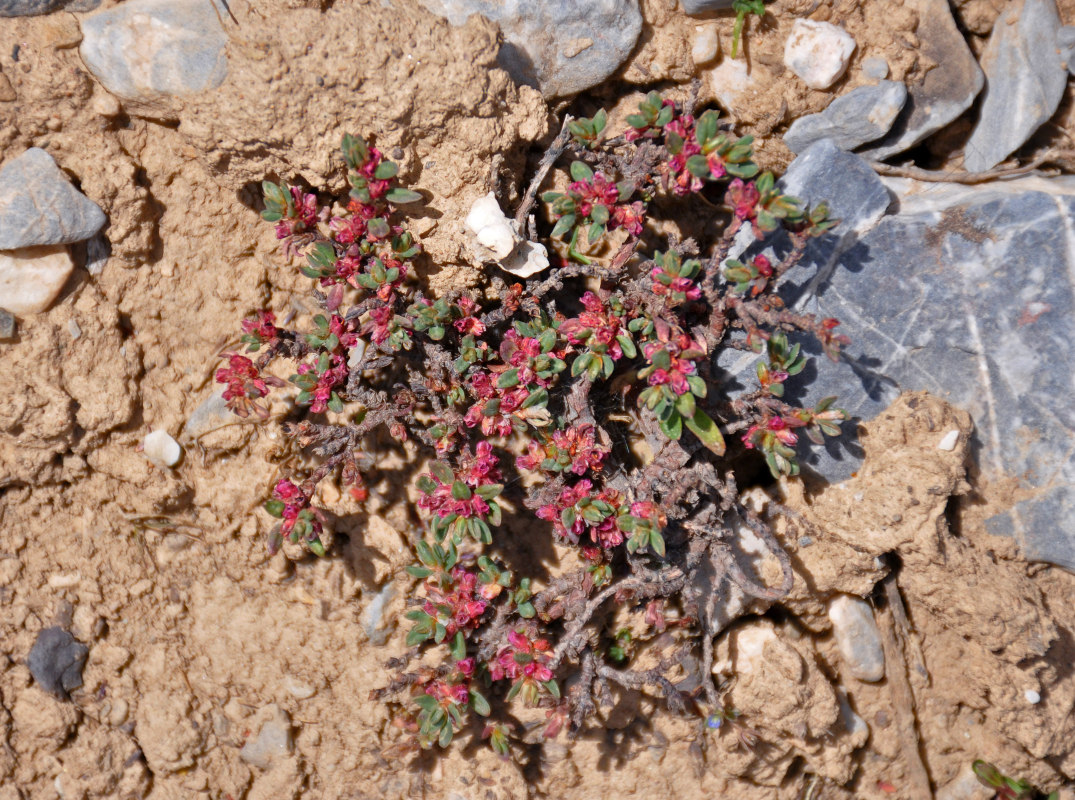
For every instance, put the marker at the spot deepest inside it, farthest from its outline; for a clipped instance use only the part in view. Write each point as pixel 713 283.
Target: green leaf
pixel 508 379
pixel 698 166
pixel 419 572
pixel 446 734
pixel 706 128
pixel 671 426
pixel 707 431
pixel 385 170
pixel 442 472
pixel 526 610
pixel 580 171
pixel 459 646
pixel 627 345
pixel 563 225
pixel 416 636
pixel 479 704
pixel 460 491
pixel 400 196
pixel 426 702
pixel 656 543
pixel 275 508
pixel 553 688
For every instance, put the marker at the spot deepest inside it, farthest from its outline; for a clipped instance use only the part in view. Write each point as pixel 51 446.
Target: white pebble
pixel 32 277
pixel 818 52
pixel 706 45
pixel 857 637
pixel 948 443
pixel 500 242
pixel 162 449
pixel 73 329
pixel 1032 697
pixel 358 352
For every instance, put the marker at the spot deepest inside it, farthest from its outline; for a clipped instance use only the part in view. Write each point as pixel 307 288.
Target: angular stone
pixel 56 661
pixel 702 6
pixel 29 8
pixel 39 206
pixel 1025 79
pixel 946 91
pixel 966 293
pixel 858 117
pixel 145 49
pixel 818 52
pixel 856 635
pixel 7 325
pixel 560 46
pixel 273 742
pixel 31 277
pixel 875 68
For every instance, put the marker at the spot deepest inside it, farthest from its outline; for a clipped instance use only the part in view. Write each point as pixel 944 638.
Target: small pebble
pixel 875 68
pixel 56 661
pixel 272 742
pixel 818 52
pixel 1032 697
pixel 73 329
pixel 7 324
pixel 857 637
pixel 162 449
pixel 706 44
pixel 948 443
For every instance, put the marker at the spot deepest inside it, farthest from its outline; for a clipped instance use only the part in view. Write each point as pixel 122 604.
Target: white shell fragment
pixel 162 449
pixel 818 52
pixel 857 637
pixel 498 240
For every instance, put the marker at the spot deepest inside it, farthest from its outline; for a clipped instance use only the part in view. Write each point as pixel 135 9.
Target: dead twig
pixel 547 160
pixel 971 178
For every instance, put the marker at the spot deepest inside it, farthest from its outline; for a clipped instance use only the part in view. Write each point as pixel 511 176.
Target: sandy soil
pixel 197 637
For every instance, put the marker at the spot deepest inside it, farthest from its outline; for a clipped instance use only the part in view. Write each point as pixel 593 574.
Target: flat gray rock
pixel 966 293
pixel 56 661
pixel 29 8
pixel 39 206
pixel 946 91
pixel 1025 79
pixel 702 6
pixel 559 46
pixel 858 117
pixel 144 49
pixel 1065 41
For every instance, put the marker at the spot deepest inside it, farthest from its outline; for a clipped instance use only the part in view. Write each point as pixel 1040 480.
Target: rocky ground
pixel 150 647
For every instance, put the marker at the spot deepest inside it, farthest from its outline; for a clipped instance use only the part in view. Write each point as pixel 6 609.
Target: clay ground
pixel 196 636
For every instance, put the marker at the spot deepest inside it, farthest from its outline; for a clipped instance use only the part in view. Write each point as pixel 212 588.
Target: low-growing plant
pixel 1007 788
pixel 583 407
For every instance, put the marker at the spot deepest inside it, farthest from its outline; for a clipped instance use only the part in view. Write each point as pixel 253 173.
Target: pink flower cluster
pixel 461 606
pixel 778 428
pixel 536 655
pixel 575 449
pixel 296 507
pixel 495 407
pixel 597 327
pixel 261 327
pixel 244 383
pixel 326 382
pixel 479 469
pixel 593 513
pixel 305 215
pixel 681 351
pixel 455 688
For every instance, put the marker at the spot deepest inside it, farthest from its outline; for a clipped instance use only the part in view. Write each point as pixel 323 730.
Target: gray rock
pixel 857 637
pixel 559 46
pixel 945 92
pixel 56 661
pixel 702 6
pixel 38 206
pixel 7 324
pixel 965 293
pixel 1065 40
pixel 875 68
pixel 212 414
pixel 273 741
pixel 1025 79
pixel 145 49
pixel 29 8
pixel 860 116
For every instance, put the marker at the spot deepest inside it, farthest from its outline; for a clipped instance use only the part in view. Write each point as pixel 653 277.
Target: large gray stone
pixel 946 91
pixel 1025 79
pixel 1065 41
pixel 860 116
pixel 559 46
pixel 145 49
pixel 38 206
pixel 967 293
